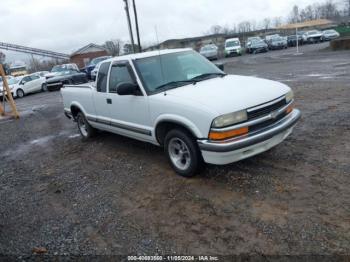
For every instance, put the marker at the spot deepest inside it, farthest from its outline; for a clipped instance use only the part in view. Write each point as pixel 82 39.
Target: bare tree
pixel 330 10
pixel 294 17
pixel 113 47
pixel 267 23
pixel 216 29
pixel 277 21
pixel 43 65
pixel 2 58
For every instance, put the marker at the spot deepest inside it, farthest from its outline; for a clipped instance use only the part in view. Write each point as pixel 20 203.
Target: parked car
pixel 268 38
pixel 8 77
pixel 210 52
pixel 24 85
pixel 251 38
pixel 249 41
pixel 233 47
pixel 186 105
pixel 92 65
pixel 57 69
pixel 313 36
pixel 330 35
pixel 257 46
pixel 94 71
pixel 277 42
pixel 10 81
pixel 292 40
pixel 65 77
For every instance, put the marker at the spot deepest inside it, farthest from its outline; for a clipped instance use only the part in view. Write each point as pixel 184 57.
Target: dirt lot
pixel 113 195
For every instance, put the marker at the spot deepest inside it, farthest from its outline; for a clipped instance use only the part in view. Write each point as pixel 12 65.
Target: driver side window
pixel 25 80
pixel 120 73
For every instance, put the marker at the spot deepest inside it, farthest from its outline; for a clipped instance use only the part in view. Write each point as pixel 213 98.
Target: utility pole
pixel 129 24
pixel 137 26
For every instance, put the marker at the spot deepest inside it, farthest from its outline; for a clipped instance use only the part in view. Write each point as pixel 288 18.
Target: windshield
pixel 208 48
pixel 180 67
pixel 257 42
pixel 313 32
pixel 61 68
pixel 66 72
pixel 232 43
pixel 276 39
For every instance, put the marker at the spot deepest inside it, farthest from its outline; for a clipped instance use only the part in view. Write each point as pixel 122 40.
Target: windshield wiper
pixel 174 84
pixel 207 76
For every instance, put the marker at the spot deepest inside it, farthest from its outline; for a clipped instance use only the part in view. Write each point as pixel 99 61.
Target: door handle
pixel 109 100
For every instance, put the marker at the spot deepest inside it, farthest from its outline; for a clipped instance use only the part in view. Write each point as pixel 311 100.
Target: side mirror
pixel 124 89
pixel 220 66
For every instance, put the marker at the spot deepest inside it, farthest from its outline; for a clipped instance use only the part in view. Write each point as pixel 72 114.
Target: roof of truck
pixel 148 54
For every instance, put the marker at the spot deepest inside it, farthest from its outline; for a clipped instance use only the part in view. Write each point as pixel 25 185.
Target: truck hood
pixel 228 94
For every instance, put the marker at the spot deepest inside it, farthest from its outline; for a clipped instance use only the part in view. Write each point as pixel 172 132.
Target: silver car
pixel 330 35
pixel 210 52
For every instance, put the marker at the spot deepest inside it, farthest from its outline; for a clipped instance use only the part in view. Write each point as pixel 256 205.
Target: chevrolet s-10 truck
pixel 179 100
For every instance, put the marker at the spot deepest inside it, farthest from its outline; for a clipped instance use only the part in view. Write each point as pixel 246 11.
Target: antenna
pixel 160 57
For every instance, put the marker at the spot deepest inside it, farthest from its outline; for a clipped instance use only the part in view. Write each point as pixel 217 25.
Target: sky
pixel 66 25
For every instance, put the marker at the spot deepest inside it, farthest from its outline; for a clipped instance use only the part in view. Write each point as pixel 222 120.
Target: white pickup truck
pixel 179 100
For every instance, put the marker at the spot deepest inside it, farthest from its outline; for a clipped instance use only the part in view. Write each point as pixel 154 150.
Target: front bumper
pixel 221 153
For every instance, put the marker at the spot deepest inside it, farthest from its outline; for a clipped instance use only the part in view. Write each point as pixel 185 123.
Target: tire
pixel 44 87
pixel 183 152
pixel 85 129
pixel 20 93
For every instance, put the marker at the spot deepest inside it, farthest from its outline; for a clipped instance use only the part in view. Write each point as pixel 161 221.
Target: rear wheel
pixel 85 129
pixel 44 87
pixel 183 152
pixel 20 93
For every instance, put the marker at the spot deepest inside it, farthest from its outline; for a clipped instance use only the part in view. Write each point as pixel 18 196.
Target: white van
pixel 232 47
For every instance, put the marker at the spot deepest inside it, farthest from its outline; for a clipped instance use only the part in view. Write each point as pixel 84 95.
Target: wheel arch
pixel 75 108
pixel 165 124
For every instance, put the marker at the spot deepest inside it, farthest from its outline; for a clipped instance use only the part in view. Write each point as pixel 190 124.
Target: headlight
pixel 230 119
pixel 289 96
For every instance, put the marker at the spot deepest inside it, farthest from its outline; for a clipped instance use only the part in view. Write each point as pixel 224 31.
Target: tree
pixel 127 48
pixel 266 23
pixel 294 16
pixel 277 21
pixel 113 47
pixel 347 2
pixel 216 29
pixel 2 58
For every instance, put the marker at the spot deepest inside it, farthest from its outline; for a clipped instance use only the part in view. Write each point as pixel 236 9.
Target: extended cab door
pixel 101 97
pixel 36 83
pixel 129 113
pixel 26 84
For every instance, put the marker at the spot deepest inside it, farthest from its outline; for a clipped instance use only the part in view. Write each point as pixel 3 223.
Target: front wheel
pixel 85 129
pixel 183 152
pixel 44 87
pixel 20 93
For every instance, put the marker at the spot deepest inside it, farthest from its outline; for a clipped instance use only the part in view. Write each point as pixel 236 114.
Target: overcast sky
pixel 66 25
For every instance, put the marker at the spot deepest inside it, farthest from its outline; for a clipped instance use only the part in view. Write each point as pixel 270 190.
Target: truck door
pixel 101 97
pixel 129 113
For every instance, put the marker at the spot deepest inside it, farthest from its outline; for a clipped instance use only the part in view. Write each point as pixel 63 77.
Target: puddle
pixel 41 141
pixel 74 136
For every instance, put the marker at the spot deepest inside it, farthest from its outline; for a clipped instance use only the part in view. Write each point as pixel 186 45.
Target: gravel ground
pixel 113 195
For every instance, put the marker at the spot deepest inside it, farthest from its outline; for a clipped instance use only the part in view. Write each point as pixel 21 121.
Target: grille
pixel 267 123
pixel 266 110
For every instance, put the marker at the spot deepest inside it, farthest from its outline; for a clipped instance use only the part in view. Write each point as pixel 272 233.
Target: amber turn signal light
pixel 290 108
pixel 227 134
